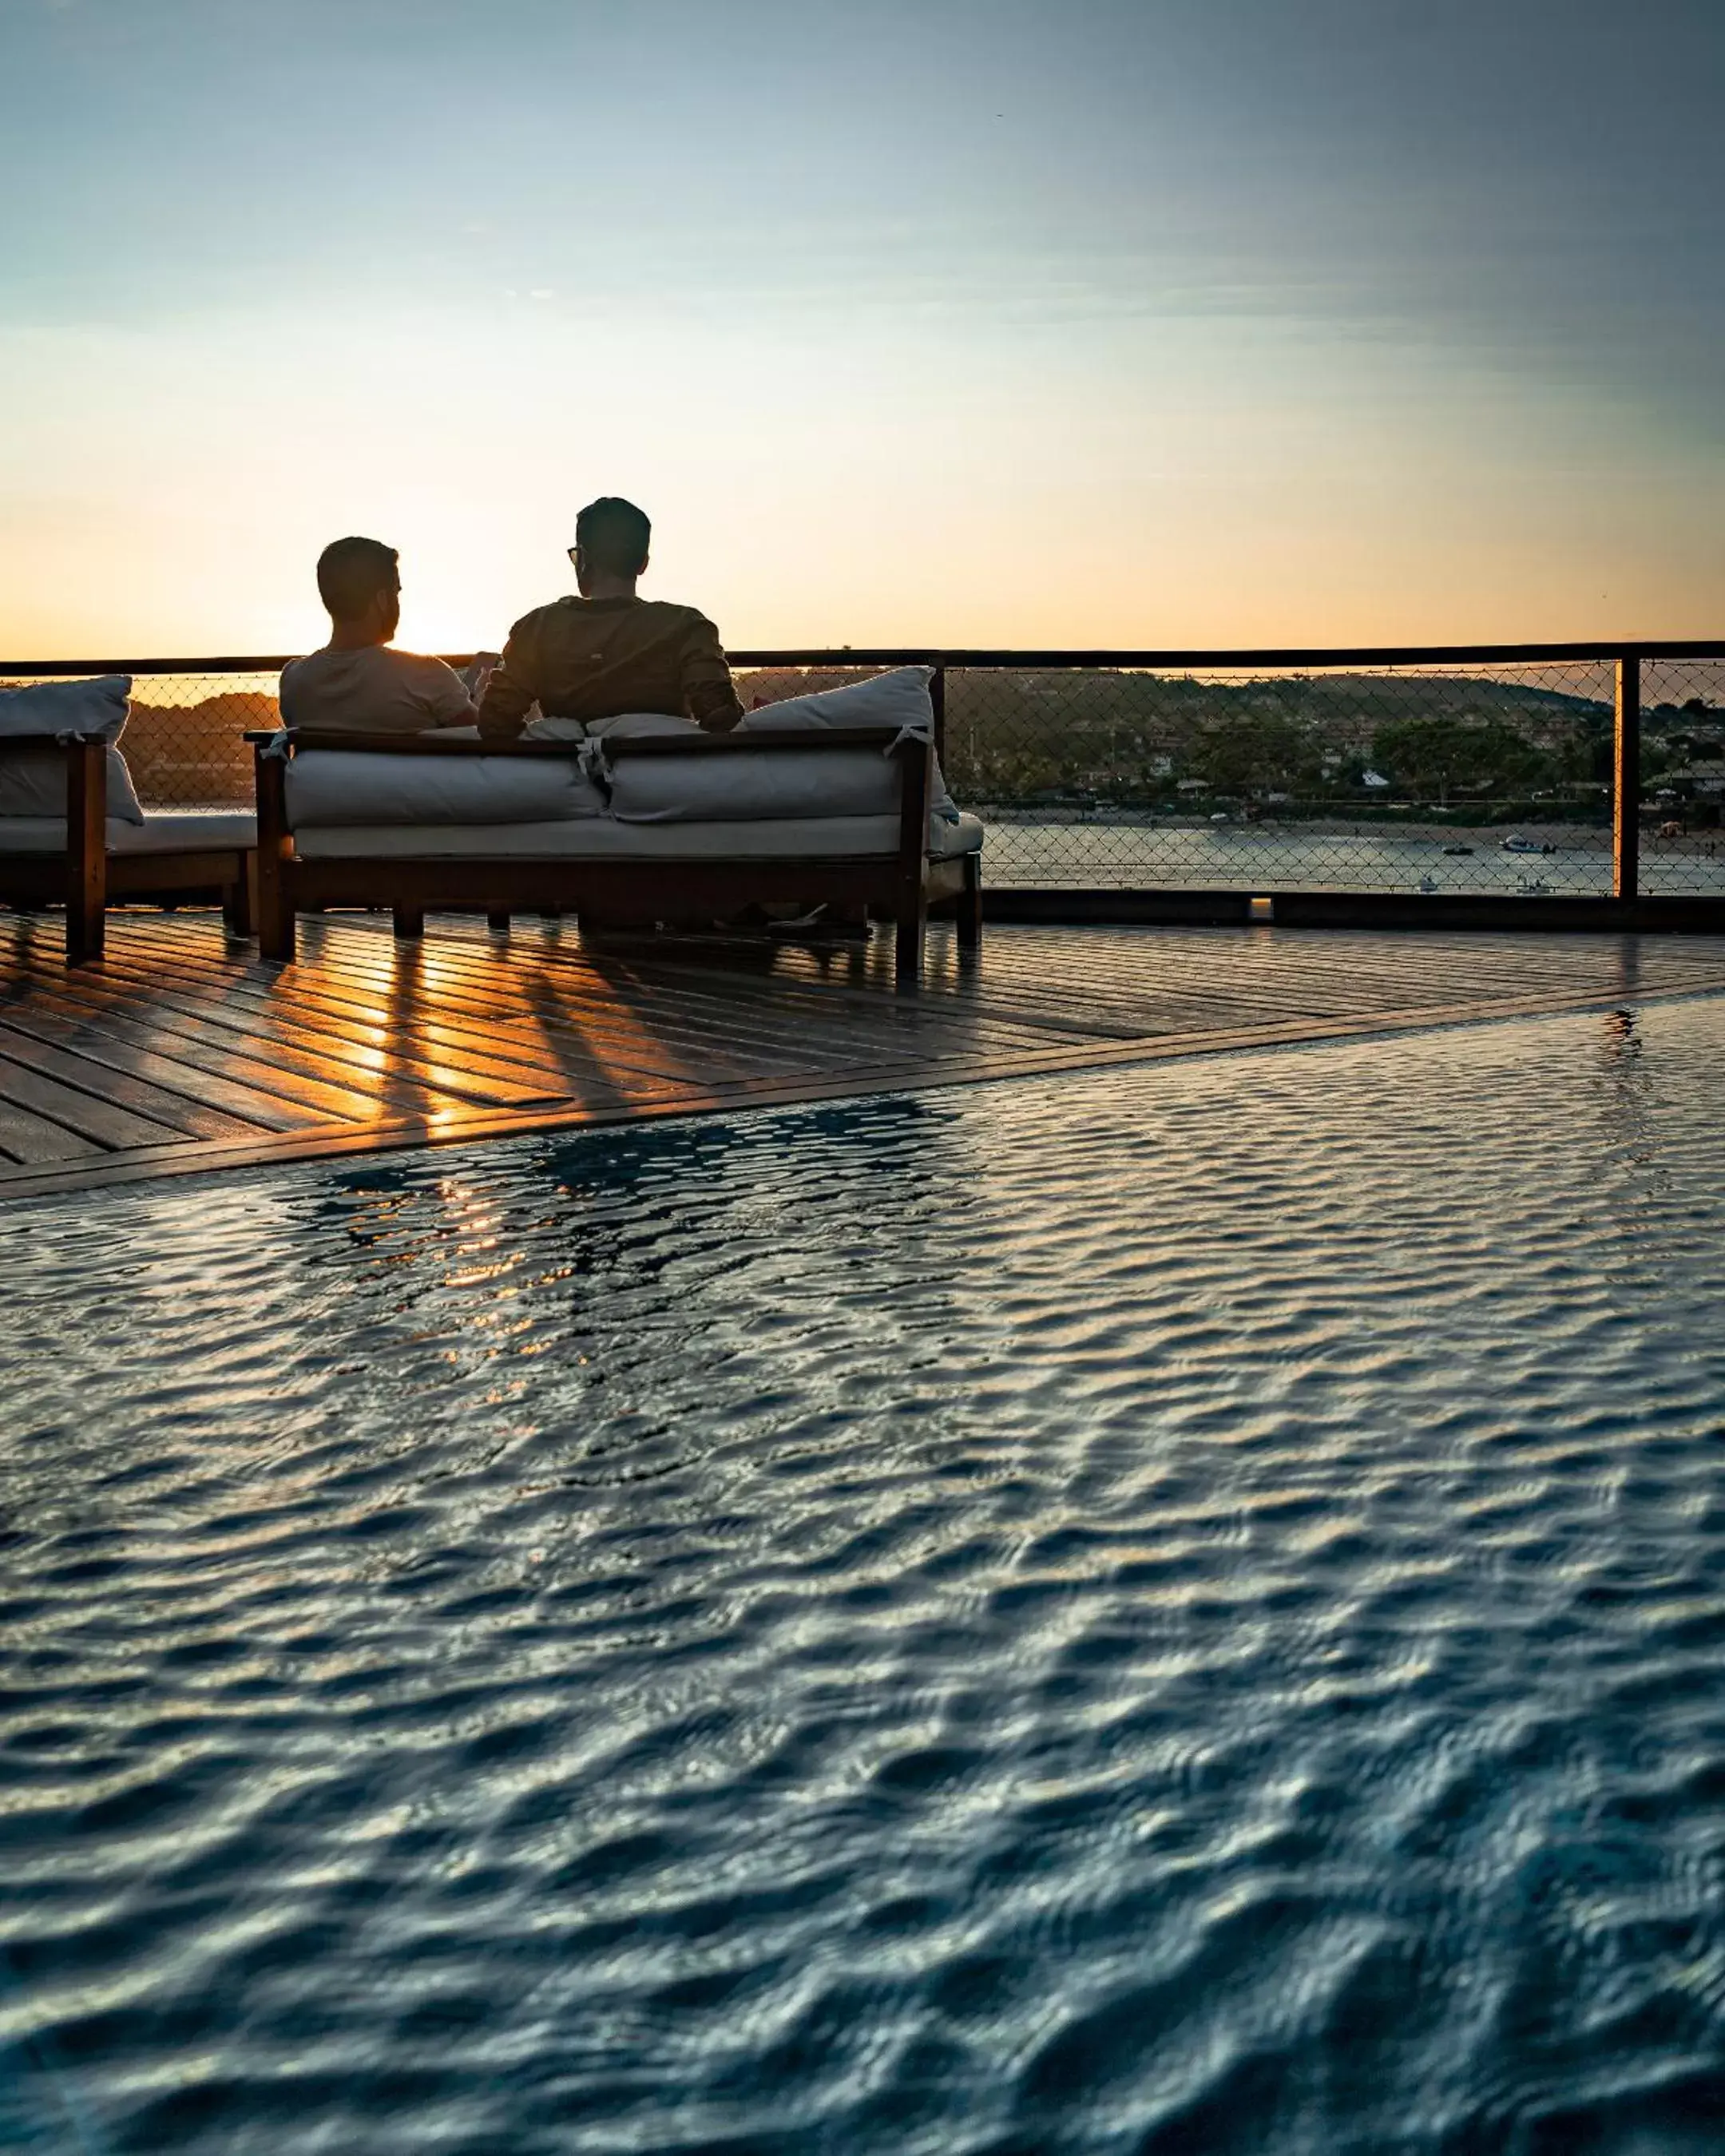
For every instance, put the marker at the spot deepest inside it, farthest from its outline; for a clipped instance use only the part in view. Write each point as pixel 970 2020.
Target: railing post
pixel 1626 779
pixel 937 697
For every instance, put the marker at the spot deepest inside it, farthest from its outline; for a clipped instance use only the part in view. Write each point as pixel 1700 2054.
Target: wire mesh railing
pixel 1462 771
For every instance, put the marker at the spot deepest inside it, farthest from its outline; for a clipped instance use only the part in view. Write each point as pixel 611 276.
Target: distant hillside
pixel 1149 740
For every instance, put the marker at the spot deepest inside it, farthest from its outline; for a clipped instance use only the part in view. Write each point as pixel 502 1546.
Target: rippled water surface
pixel 1173 1610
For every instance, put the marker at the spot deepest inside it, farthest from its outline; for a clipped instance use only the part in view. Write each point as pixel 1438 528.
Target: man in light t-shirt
pixel 357 683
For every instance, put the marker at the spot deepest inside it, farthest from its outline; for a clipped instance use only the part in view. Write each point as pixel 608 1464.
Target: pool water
pixel 1179 1610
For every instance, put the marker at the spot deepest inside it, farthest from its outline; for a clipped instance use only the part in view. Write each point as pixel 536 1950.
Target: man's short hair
pixel 351 572
pixel 615 536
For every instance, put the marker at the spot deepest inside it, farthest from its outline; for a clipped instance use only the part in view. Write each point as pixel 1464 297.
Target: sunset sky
pixel 961 322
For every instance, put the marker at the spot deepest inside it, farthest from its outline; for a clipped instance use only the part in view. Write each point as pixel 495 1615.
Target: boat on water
pixel 1516 844
pixel 1458 849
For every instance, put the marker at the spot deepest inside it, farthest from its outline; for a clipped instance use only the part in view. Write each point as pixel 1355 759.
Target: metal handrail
pixel 1625 657
pixel 1222 660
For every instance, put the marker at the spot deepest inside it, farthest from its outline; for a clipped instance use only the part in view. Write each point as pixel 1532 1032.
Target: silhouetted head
pixel 359 581
pixel 612 536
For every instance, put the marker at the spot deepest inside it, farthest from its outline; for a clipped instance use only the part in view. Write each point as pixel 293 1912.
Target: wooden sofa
pixel 168 857
pixel 902 883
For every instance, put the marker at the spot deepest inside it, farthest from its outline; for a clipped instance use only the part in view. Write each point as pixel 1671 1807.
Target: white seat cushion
pixel 819 838
pixel 192 832
pixel 328 787
pixel 749 786
pixel 189 831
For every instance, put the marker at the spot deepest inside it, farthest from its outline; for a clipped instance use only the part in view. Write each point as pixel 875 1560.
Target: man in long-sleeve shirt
pixel 608 652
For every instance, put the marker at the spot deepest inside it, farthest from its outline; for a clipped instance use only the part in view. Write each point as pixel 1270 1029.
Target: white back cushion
pixel 900 698
pixel 33 782
pixel 98 707
pixel 366 786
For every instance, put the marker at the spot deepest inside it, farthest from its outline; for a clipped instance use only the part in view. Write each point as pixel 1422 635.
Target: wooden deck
pixel 181 1051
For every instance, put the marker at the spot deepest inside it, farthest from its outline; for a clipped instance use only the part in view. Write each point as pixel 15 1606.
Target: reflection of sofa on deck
pixel 641 820
pixel 72 830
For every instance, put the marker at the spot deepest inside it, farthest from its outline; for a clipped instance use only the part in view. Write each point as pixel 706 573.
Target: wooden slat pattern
pixel 181 1050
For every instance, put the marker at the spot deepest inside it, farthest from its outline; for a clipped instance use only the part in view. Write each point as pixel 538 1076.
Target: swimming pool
pixel 1169 1609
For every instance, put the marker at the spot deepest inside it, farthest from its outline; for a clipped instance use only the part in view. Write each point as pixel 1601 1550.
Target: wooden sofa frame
pixel 903 885
pixel 87 877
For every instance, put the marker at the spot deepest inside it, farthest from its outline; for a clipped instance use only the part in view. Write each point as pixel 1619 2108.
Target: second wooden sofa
pixel 86 861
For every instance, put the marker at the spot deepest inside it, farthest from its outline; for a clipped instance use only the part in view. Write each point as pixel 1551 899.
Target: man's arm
pixel 708 693
pixel 447 702
pixel 513 688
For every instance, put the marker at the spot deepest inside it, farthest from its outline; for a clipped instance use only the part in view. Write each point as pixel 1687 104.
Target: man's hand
pixel 476 673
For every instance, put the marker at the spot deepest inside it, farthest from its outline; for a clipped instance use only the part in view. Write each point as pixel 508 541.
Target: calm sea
pixel 1114 851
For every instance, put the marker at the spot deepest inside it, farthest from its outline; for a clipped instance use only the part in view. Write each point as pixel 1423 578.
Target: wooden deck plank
pixel 209 1088
pixel 174 1112
pixel 28 1140
pixel 357 1043
pixel 103 1122
pixel 300 1079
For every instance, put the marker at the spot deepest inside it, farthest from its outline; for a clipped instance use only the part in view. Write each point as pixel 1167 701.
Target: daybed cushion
pixel 627 725
pixel 329 787
pixel 739 788
pixel 191 833
pixel 752 785
pixel 820 838
pixel 32 781
pixel 96 706
pixel 897 698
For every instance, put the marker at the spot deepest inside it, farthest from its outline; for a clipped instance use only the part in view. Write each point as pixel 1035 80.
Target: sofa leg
pixel 277 937
pixel 86 928
pixel 497 917
pixel 409 923
pixel 237 907
pixel 970 905
pixel 907 948
pixel 276 928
